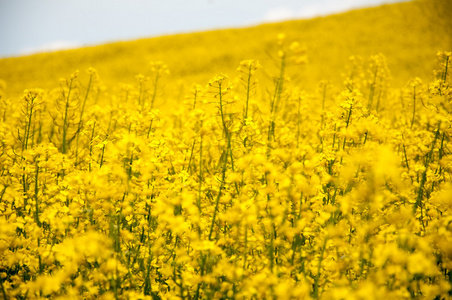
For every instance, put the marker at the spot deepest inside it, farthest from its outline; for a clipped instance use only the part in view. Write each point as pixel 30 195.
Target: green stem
pixel 217 200
pixel 155 89
pixel 150 127
pixel 200 176
pixel 191 156
pixel 272 249
pixel 203 262
pixel 317 277
pixel 225 128
pixel 65 118
pixel 27 133
pixel 3 289
pixel 245 247
pixel 36 196
pixel 247 92
pixel 81 117
pixel 406 158
pixel 276 101
pixel 102 157
pixel 420 193
pixel 91 146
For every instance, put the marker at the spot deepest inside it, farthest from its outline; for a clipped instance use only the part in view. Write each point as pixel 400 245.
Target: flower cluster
pixel 244 192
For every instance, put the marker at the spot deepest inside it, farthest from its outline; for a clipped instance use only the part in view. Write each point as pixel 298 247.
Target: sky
pixel 31 26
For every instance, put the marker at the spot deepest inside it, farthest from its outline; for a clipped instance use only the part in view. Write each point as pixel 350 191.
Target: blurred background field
pixel 408 34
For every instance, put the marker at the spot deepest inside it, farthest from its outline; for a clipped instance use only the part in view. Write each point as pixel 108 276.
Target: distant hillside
pixel 409 35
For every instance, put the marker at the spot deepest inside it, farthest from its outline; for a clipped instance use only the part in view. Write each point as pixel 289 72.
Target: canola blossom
pixel 239 192
pixel 240 188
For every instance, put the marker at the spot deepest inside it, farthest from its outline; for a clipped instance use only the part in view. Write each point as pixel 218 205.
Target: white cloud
pixel 279 14
pixel 327 7
pixel 50 47
pixel 323 8
pixel 312 9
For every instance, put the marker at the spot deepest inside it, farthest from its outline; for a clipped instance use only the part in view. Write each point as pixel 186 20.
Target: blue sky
pixel 29 26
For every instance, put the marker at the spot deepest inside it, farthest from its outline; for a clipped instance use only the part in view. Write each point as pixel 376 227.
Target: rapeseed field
pixel 260 182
